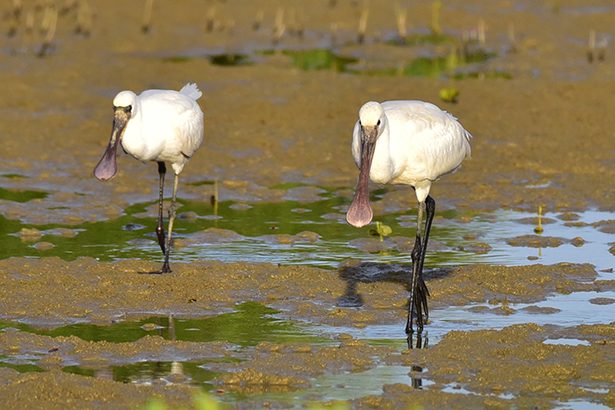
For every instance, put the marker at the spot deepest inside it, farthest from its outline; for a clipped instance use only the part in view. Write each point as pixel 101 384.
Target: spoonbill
pixel 156 125
pixel 412 143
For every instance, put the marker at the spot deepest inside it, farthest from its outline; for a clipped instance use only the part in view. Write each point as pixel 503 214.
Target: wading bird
pixel 412 143
pixel 157 125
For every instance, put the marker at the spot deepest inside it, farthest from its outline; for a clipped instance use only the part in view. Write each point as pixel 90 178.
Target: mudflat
pixel 83 328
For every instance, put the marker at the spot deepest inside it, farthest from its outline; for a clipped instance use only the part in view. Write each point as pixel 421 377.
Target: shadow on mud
pixel 370 272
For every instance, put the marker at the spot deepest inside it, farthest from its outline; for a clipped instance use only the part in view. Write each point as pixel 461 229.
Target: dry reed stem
pixel 279 27
pixel 482 32
pixel 210 20
pixel 591 46
pixel 15 16
pixel 49 26
pixel 84 18
pixel 512 39
pixel 401 15
pixel 147 16
pixel 258 21
pixel 362 29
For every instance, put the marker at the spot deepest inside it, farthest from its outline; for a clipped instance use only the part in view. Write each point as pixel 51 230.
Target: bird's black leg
pixel 165 266
pixel 417 303
pixel 162 169
pixel 413 306
pixel 430 208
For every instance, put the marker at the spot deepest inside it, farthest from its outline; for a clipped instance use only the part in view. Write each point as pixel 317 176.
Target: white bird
pixel 157 125
pixel 412 143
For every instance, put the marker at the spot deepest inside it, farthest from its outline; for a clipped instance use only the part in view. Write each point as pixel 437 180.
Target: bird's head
pixel 371 123
pixel 124 108
pixel 125 101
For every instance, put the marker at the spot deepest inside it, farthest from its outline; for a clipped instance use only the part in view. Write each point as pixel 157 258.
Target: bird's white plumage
pixel 417 143
pixel 157 125
pixel 165 125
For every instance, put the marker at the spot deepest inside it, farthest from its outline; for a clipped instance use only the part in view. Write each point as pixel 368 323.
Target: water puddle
pixel 567 342
pixel 351 386
pixel 557 310
pixel 315 233
pixel 580 405
pixel 459 62
pixel 151 372
pixel 250 324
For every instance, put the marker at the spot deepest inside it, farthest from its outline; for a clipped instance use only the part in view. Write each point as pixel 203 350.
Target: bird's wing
pixel 436 141
pixel 423 118
pixel 172 113
pixel 169 101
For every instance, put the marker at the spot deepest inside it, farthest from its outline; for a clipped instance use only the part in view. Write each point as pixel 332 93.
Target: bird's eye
pixel 378 123
pixel 128 109
pixel 360 124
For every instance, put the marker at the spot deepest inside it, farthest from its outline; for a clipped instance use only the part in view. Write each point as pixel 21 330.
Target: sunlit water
pixel 271 233
pixel 263 232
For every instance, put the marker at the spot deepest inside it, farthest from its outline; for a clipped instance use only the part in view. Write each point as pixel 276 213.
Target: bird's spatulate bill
pixel 360 212
pixel 107 166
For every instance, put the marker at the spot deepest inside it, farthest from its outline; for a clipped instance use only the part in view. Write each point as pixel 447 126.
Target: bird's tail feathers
pixel 192 91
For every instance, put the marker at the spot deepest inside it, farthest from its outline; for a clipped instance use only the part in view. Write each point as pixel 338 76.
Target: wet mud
pixel 82 327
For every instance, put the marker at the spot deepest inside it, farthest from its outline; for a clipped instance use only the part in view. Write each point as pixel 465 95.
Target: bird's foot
pixel 419 342
pixel 417 308
pixel 165 269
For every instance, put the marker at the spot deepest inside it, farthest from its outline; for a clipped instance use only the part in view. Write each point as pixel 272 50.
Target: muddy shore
pixel 276 133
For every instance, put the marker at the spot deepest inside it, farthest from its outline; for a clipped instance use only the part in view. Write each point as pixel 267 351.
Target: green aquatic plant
pixel 229 59
pixel 21 368
pixel 17 195
pixel 449 94
pixel 477 74
pixel 250 324
pixel 204 401
pixel 539 229
pixel 200 401
pixel 381 230
pixel 425 67
pixel 319 59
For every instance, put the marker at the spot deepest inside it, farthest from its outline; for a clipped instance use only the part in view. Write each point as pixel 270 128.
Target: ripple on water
pixel 456 239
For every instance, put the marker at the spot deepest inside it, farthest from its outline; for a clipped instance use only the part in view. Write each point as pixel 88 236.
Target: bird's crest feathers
pixel 191 90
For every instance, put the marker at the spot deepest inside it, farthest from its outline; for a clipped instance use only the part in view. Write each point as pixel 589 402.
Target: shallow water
pixel 272 232
pixel 565 311
pixel 253 323
pixel 248 325
pixel 548 48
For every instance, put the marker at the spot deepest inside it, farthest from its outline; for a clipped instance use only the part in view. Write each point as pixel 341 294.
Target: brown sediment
pixel 95 292
pixel 529 372
pixel 541 138
pixel 536 241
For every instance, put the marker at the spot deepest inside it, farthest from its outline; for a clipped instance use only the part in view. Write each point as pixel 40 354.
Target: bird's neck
pixel 382 169
pixel 133 140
